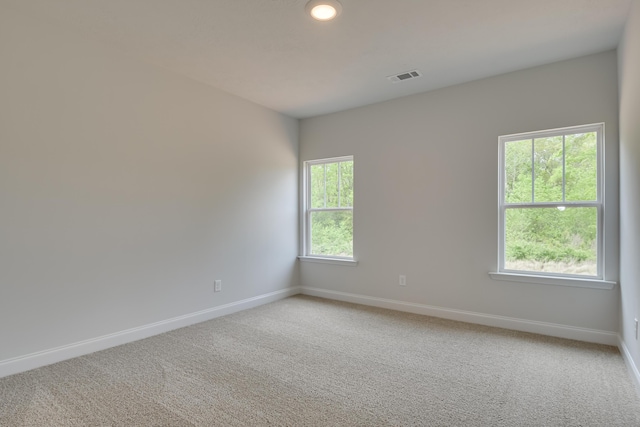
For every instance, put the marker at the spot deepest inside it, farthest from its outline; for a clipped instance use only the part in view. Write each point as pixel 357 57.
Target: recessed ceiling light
pixel 324 10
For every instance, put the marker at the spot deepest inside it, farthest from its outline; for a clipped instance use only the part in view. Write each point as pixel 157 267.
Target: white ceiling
pixel 271 52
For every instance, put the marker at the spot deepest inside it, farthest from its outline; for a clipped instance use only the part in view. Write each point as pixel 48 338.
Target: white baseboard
pixel 543 328
pixel 633 369
pixel 47 357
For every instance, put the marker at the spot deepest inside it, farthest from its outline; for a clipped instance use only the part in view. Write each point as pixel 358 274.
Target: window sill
pixel 554 280
pixel 336 261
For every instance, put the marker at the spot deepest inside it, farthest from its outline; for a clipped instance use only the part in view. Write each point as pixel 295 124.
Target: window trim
pixel 306 214
pixel 597 281
pixel 324 260
pixel 580 282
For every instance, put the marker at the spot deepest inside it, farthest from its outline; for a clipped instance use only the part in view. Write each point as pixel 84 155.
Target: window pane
pixel 332 233
pixel 548 171
pixel 346 184
pixel 518 171
pixel 551 240
pixel 581 167
pixel 317 182
pixel 332 185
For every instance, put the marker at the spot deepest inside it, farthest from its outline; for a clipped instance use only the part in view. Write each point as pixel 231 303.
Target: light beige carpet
pixel 310 362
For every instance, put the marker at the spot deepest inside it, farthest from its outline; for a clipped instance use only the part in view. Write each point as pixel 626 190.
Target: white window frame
pixel 596 281
pixel 307 211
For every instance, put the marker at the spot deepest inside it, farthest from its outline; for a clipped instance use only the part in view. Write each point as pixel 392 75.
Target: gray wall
pixel 629 69
pixel 426 177
pixel 126 190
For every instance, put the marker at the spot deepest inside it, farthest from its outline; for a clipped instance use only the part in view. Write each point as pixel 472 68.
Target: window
pixel 328 208
pixel 551 203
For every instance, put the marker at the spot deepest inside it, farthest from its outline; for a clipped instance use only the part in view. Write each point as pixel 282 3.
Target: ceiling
pixel 272 53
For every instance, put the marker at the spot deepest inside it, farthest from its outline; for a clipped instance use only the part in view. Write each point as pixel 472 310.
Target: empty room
pixel 319 213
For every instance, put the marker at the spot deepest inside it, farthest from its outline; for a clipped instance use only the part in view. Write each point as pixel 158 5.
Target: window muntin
pixel 551 202
pixel 328 208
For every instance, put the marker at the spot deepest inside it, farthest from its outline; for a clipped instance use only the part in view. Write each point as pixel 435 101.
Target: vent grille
pixel 408 75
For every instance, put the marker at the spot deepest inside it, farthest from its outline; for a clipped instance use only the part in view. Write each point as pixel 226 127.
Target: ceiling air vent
pixel 408 75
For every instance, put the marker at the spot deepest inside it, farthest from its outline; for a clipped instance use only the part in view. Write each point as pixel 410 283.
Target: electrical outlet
pixel 217 286
pixel 403 280
pixel 636 320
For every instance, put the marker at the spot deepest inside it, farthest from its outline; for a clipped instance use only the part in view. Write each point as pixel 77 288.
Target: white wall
pixel 125 190
pixel 426 177
pixel 629 69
